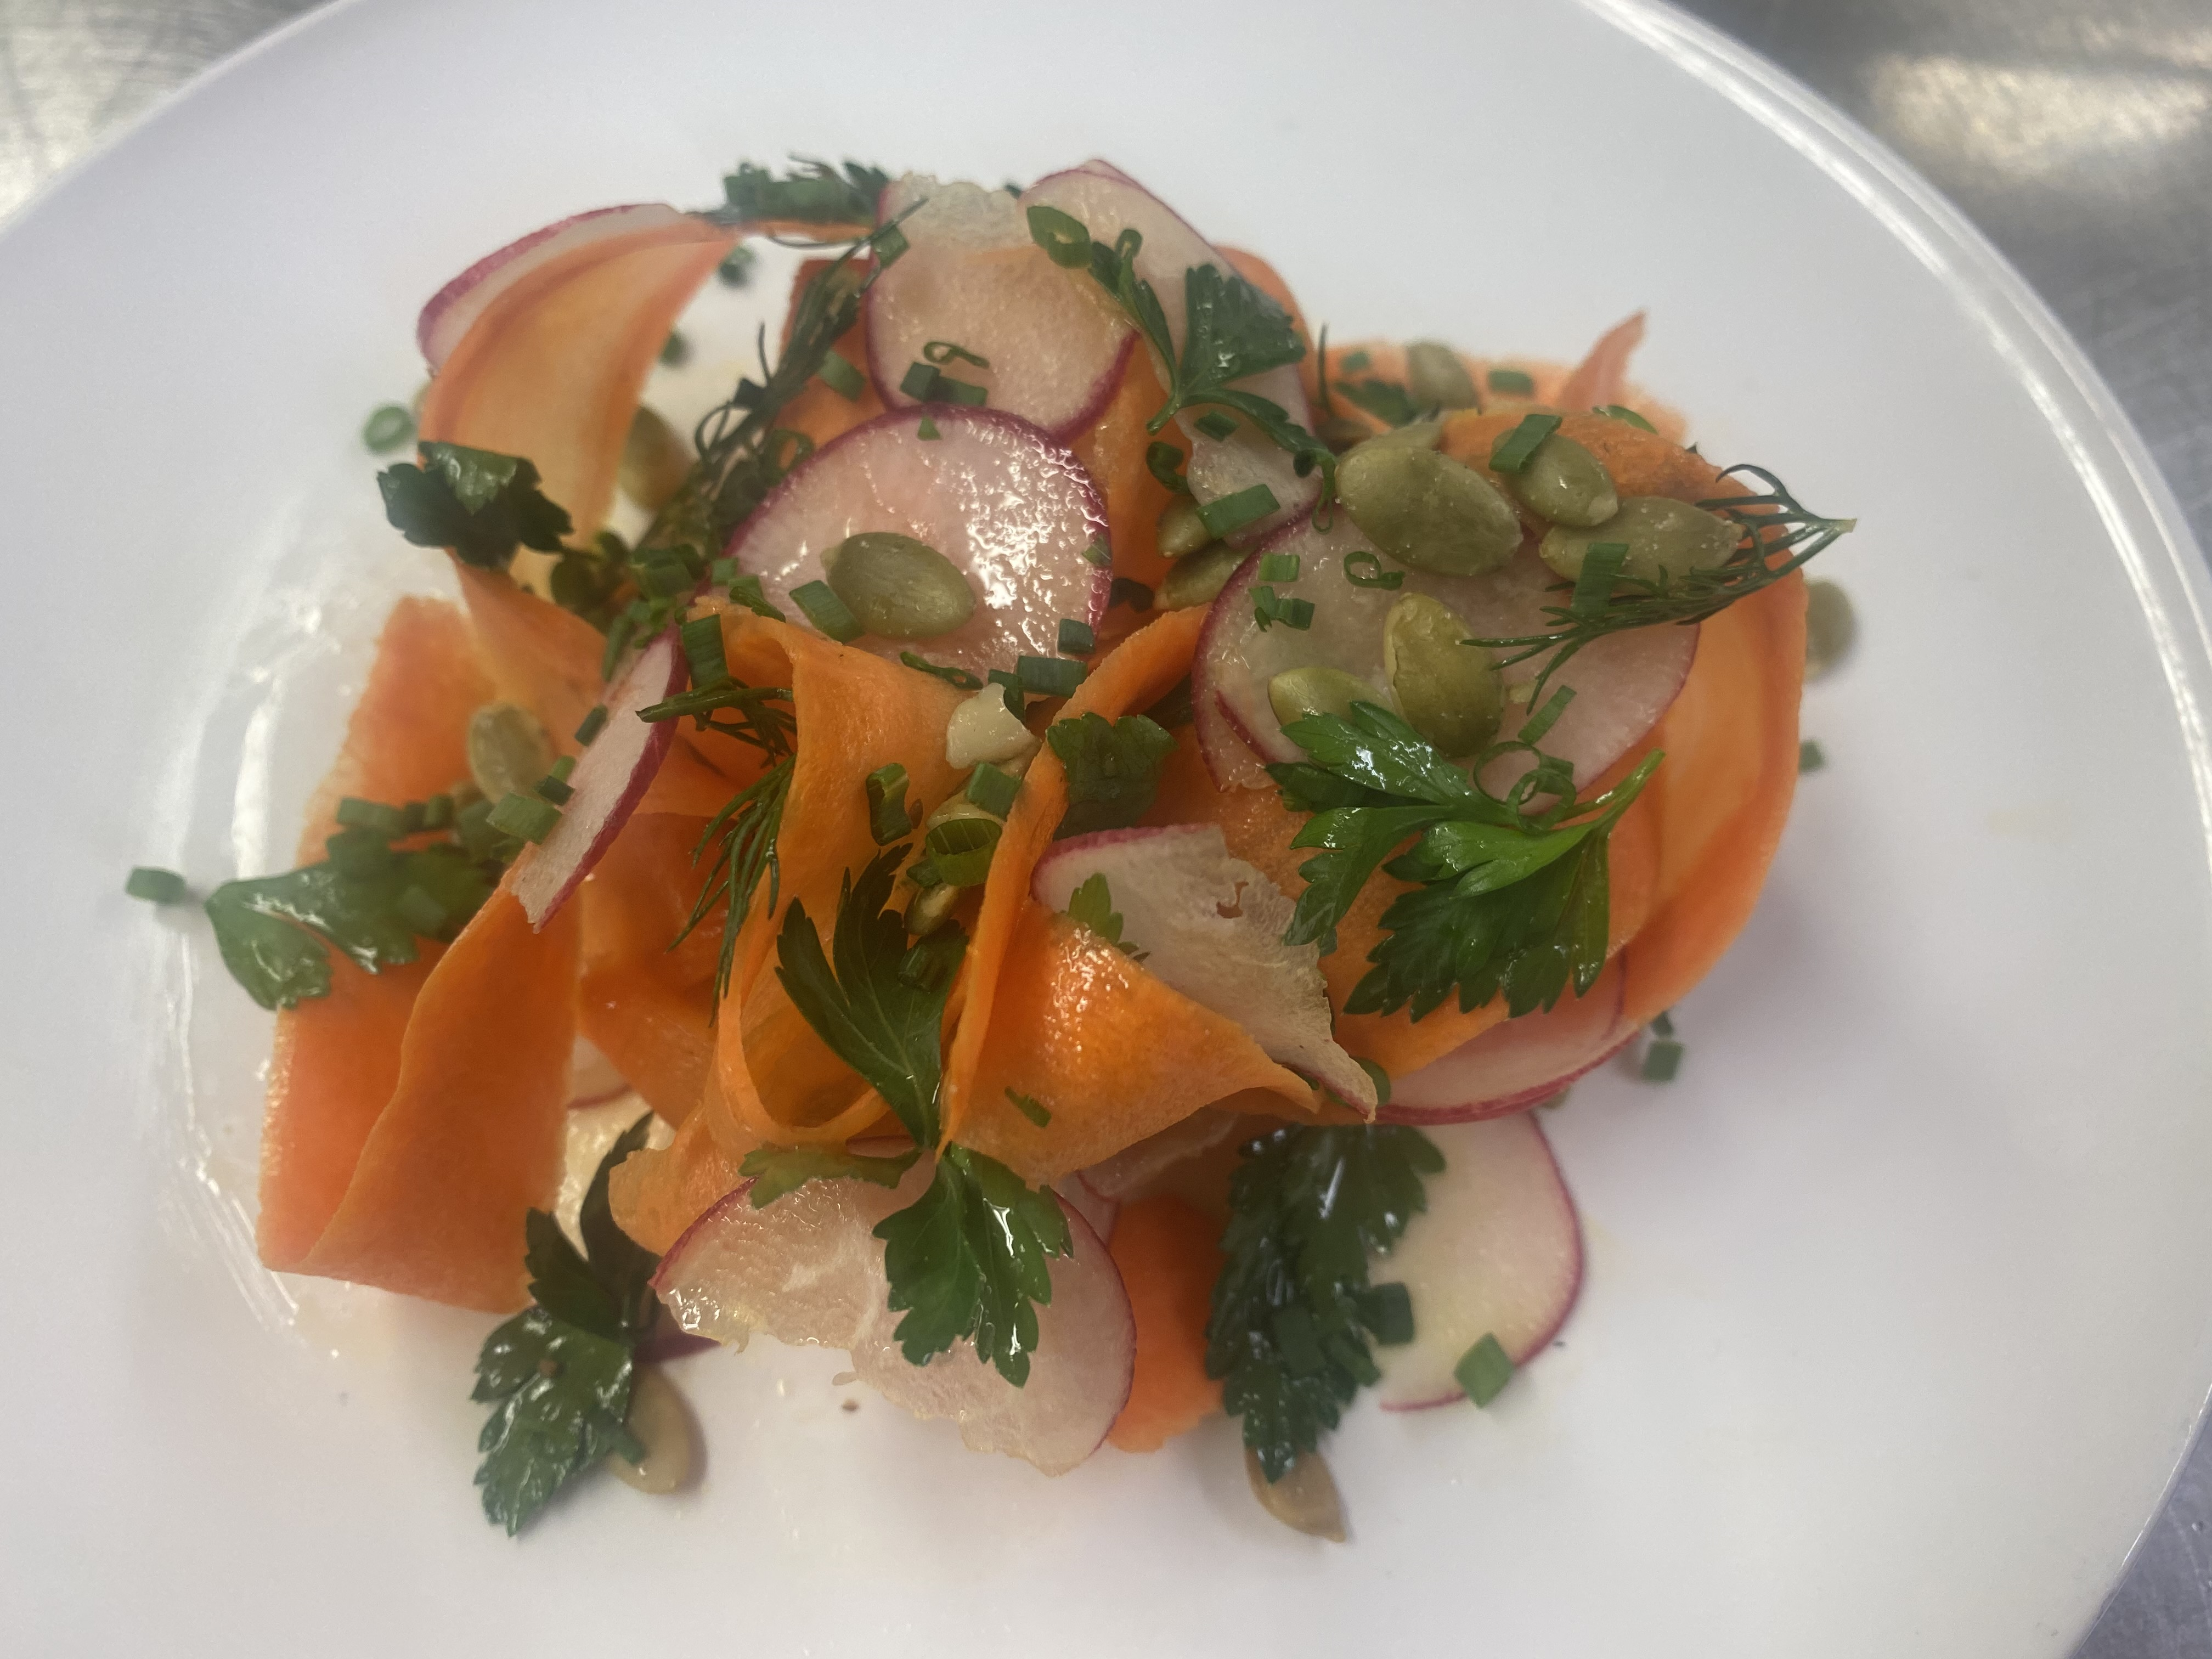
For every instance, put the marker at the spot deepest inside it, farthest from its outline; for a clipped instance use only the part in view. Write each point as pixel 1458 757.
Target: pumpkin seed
pixel 1304 1499
pixel 1436 379
pixel 1181 529
pixel 1196 577
pixel 1297 693
pixel 1664 538
pixel 509 752
pixel 1427 510
pixel 898 587
pixel 1564 483
pixel 1830 627
pixel 933 906
pixel 661 1423
pixel 1447 692
pixel 655 460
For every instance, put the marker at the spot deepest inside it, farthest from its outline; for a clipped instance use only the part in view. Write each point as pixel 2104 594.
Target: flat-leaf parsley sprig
pixel 1509 898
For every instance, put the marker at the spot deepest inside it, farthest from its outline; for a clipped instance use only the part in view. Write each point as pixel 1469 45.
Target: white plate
pixel 1900 1301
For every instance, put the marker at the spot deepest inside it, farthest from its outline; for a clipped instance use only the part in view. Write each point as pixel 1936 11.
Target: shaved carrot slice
pixel 641 1003
pixel 540 656
pixel 1113 449
pixel 655 1196
pixel 1168 1254
pixel 689 786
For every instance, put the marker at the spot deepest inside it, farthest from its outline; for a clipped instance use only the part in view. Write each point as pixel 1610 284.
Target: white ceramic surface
pixel 1899 1304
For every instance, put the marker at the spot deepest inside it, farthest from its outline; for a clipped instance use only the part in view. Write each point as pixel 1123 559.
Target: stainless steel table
pixel 2076 133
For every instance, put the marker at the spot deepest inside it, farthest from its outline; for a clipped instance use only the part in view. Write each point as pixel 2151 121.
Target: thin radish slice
pixel 1498 1253
pixel 1091 1205
pixel 809 1269
pixel 1514 1066
pixel 1622 683
pixel 592 1078
pixel 1107 201
pixel 1013 510
pixel 973 276
pixel 1212 927
pixel 1129 1172
pixel 607 784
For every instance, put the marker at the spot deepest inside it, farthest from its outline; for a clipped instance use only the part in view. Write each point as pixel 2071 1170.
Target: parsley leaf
pixel 1386 400
pixel 1294 1312
pixel 1112 770
pixel 1092 904
pixel 813 190
pixel 776 1170
pixel 969 1258
pixel 882 1008
pixel 481 504
pixel 558 1375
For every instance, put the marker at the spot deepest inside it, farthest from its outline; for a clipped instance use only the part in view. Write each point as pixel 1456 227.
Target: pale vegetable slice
pixel 1211 926
pixel 973 276
pixel 1498 1252
pixel 1014 511
pixel 1129 1172
pixel 1516 1064
pixel 808 1268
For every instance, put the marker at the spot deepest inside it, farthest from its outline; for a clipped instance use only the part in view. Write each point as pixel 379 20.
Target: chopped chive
pixel 554 787
pixel 923 874
pixel 1130 592
pixel 746 591
pixel 438 812
pixel 472 826
pixel 594 723
pixel 737 270
pixel 358 853
pixel 1484 1369
pixel 943 351
pixel 620 632
pixel 959 678
pixel 422 914
pixel 827 611
pixel 155 885
pixel 920 383
pixel 1510 381
pixel 1388 1311
pixel 961 392
pixel 565 768
pixel 1049 676
pixel 1353 361
pixel 890 243
pixel 1662 1061
pixel 926 431
pixel 1269 608
pixel 960 849
pixel 701 639
pixel 1662 1023
pixel 1532 728
pixel 994 790
pixel 1065 238
pixel 1378 1077
pixel 722 571
pixel 1096 554
pixel 1233 512
pixel 662 573
pixel 387 428
pixel 1623 412
pixel 1076 639
pixel 842 377
pixel 676 350
pixel 1214 424
pixel 1030 1108
pixel 525 816
pixel 1017 705
pixel 372 816
pixel 1164 463
pixel 1594 583
pixel 891 814
pixel 1365 570
pixel 411 815
pixel 1512 450
pixel 1298 1342
pixel 1810 757
pixel 1278 567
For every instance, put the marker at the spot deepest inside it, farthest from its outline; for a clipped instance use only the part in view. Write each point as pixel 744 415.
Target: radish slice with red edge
pixel 1622 683
pixel 1515 1065
pixel 1094 1206
pixel 592 1078
pixel 1126 1175
pixel 1211 926
pixel 1498 1252
pixel 808 1268
pixel 973 276
pixel 1107 201
pixel 1013 511
pixel 609 781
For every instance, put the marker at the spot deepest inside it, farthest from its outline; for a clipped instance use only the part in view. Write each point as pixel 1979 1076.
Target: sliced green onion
pixel 890 244
pixel 1065 238
pixel 555 786
pixel 737 270
pixel 1353 361
pixel 155 885
pixel 891 814
pixel 1030 1108
pixel 1512 450
pixel 422 914
pixel 372 816
pixel 594 723
pixel 701 639
pixel 746 591
pixel 959 678
pixel 1662 1023
pixel 943 351
pixel 926 431
pixel 994 790
pixel 1096 554
pixel 1049 676
pixel 525 817
pixel 1076 639
pixel 676 350
pixel 1278 567
pixel 1128 591
pixel 1017 705
pixel 960 849
pixel 1376 1076
pixel 1623 412
pixel 1365 570
pixel 1662 1061
pixel 1164 463
pixel 620 632
pixel 1233 512
pixel 1388 1311
pixel 1484 1369
pixel 1594 583
pixel 1510 381
pixel 662 573
pixel 829 613
pixel 1269 608
pixel 920 383
pixel 842 377
pixel 1214 424
pixel 1532 728
pixel 472 827
pixel 1810 758
pixel 387 428
pixel 358 853
pixel 961 392
pixel 438 812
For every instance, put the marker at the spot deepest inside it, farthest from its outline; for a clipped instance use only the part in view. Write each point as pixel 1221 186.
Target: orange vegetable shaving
pixel 655 1196
pixel 1168 1254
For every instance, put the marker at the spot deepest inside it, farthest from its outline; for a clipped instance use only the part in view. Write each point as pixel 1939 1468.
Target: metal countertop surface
pixel 2076 133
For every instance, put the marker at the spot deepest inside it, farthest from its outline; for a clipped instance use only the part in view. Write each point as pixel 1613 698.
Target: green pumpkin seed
pixel 1564 483
pixel 1298 693
pixel 1341 432
pixel 1427 510
pixel 1447 692
pixel 509 751
pixel 1665 537
pixel 1196 579
pixel 655 460
pixel 1416 435
pixel 1181 529
pixel 1831 625
pixel 899 588
pixel 1436 379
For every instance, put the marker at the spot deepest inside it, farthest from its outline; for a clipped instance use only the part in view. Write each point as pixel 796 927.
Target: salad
pixel 1070 845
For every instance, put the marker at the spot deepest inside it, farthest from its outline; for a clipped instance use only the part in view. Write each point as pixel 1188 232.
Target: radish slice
pixel 1094 1206
pixel 1498 1253
pixel 809 1269
pixel 973 276
pixel 1107 201
pixel 1515 1065
pixel 607 784
pixel 1013 510
pixel 1212 927
pixel 1622 683
pixel 1117 1179
pixel 592 1078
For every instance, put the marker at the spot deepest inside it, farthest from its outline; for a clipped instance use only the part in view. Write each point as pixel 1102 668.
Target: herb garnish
pixel 1293 1311
pixel 1509 899
pixel 776 1170
pixel 813 191
pixel 558 1376
pixel 481 504
pixel 1113 769
pixel 1092 905
pixel 743 834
